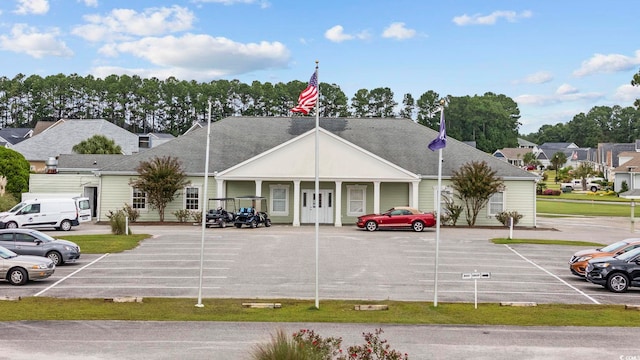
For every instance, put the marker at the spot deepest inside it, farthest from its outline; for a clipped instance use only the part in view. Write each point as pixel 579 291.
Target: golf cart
pixel 252 212
pixel 222 211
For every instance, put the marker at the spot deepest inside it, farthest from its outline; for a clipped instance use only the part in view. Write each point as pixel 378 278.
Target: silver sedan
pixel 18 269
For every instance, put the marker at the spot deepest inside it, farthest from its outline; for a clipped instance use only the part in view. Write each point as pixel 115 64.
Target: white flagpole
pixel 204 196
pixel 438 195
pixel 317 202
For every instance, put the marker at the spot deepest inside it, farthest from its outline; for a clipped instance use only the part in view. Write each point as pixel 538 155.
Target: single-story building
pixel 366 165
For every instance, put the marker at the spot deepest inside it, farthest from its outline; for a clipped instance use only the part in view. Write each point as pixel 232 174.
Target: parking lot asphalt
pixel 280 262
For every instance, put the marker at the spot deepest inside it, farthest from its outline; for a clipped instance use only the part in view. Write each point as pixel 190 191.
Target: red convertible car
pixel 397 217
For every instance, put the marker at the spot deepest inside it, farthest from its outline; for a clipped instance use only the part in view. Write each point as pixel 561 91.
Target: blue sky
pixel 554 58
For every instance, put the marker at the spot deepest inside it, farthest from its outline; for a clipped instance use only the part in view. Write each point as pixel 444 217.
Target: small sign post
pixel 475 275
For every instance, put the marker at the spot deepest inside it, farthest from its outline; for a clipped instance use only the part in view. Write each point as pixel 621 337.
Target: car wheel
pixel 618 283
pixel 254 224
pixel 223 224
pixel 417 226
pixel 11 225
pixel 238 226
pixel 594 189
pixel 371 225
pixel 17 276
pixel 267 223
pixel 55 257
pixel 65 225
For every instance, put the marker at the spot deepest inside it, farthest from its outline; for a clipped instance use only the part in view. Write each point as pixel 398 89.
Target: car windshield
pixel 44 237
pixel 613 247
pixel 17 207
pixel 629 254
pixel 6 253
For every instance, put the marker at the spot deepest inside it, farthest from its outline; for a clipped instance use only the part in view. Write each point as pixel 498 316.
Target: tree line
pixel 144 105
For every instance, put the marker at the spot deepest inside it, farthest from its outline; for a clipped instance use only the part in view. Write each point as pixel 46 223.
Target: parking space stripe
pixel 70 275
pixel 553 275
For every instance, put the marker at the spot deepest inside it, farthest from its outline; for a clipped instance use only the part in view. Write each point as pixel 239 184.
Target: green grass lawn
pixel 339 311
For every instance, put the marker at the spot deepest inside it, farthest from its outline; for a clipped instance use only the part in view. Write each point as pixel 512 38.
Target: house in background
pixel 149 140
pixel 513 156
pixel 60 137
pixel 365 166
pixel 12 136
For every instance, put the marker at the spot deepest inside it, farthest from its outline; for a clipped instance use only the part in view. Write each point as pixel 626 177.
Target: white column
pixel 337 204
pixel 219 188
pixel 376 197
pixel 296 202
pixel 258 187
pixel 414 193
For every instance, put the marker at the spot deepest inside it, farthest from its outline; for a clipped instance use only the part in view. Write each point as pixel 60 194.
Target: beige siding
pixel 116 192
pixel 519 196
pixel 393 194
pixel 61 183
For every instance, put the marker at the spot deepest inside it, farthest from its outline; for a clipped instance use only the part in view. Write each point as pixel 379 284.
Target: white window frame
pixel 133 197
pixel 445 191
pixel 198 199
pixel 351 190
pixel 493 201
pixel 272 189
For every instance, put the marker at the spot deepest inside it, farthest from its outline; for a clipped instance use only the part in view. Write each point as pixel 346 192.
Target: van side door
pixel 30 215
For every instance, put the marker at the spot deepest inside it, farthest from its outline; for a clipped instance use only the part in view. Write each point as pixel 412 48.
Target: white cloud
pixel 540 77
pixel 37 7
pixel 600 63
pixel 478 19
pixel 28 40
pixel 203 54
pixel 398 31
pixel 337 34
pixel 122 23
pixel 89 3
pixel 627 93
pixel 566 89
pixel 563 94
pixel 263 3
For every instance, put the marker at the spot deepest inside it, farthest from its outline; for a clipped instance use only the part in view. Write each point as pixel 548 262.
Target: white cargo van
pixel 60 214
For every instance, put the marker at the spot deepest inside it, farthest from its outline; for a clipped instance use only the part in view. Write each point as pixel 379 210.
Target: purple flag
pixel 441 141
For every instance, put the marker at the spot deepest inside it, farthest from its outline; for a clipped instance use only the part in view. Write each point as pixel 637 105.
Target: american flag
pixel 309 96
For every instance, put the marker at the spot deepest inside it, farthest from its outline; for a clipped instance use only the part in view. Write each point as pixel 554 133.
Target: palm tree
pixel 559 158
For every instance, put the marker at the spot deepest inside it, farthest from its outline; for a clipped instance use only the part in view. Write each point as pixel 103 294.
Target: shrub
pixel 307 345
pixel 451 213
pixel 540 187
pixel 196 216
pixel 7 201
pixel 132 213
pixel 182 215
pixel 118 222
pixel 624 187
pixel 504 217
pixel 552 192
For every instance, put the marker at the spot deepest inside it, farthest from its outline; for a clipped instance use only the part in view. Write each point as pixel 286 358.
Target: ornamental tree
pixel 474 183
pixel 160 178
pixel 15 168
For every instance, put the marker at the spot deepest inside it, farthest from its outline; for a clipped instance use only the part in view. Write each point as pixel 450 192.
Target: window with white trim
pixel 496 203
pixel 356 200
pixel 192 198
pixel 138 199
pixel 279 200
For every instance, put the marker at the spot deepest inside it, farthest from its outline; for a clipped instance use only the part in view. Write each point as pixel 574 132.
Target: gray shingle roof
pixel 61 138
pixel 236 139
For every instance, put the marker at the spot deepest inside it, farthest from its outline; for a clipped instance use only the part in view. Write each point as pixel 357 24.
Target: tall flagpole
pixel 204 196
pixel 317 188
pixel 438 195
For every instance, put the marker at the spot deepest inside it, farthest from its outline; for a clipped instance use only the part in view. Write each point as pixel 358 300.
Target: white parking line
pixel 70 275
pixel 556 277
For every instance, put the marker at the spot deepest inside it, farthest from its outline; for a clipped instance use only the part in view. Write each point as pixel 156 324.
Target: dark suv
pixel 617 273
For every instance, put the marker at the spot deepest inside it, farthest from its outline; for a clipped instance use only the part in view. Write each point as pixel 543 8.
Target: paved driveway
pixel 279 262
